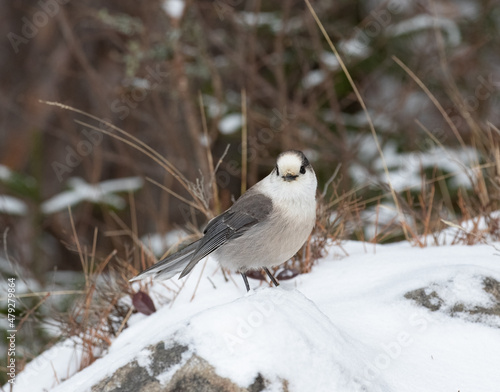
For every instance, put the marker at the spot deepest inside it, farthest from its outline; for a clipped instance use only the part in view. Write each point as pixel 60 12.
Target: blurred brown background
pixel 142 66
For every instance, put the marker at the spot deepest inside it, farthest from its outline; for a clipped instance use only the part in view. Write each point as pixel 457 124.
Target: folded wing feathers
pixel 228 225
pixel 250 209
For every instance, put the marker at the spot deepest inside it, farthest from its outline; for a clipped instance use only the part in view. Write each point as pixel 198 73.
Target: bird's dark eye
pixel 302 170
pixel 277 171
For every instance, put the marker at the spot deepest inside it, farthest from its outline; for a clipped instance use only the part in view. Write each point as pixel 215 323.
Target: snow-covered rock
pixel 351 322
pixel 472 298
pixel 258 342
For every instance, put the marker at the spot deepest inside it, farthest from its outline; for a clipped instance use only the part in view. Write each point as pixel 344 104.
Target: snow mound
pixel 278 334
pixel 382 316
pixel 57 363
pixel 273 334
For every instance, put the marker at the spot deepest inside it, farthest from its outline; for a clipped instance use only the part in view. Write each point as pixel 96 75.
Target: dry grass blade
pixel 137 141
pixel 199 279
pixel 213 183
pixel 44 293
pixel 432 98
pixel 176 195
pixel 140 146
pixel 454 92
pixel 124 322
pixel 438 143
pixel 451 224
pixel 94 245
pixel 330 180
pixel 133 236
pixel 32 310
pixel 365 110
pixel 80 253
pixel 186 184
pixel 244 142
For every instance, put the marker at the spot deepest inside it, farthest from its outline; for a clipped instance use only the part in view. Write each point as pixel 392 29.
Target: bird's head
pixel 293 171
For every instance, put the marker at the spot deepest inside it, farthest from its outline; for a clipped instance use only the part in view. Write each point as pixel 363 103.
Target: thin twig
pixel 330 180
pixel 432 98
pixel 94 246
pixel 244 141
pixel 199 279
pixel 188 202
pixel 45 293
pixel 32 310
pixel 175 172
pixel 80 253
pixel 138 145
pixel 213 182
pixel 221 158
pixel 124 321
pixel 132 235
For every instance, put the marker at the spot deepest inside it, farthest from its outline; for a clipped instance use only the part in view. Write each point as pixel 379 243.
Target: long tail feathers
pixel 169 266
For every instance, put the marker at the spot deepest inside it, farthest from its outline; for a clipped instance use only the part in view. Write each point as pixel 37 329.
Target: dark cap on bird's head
pixel 291 164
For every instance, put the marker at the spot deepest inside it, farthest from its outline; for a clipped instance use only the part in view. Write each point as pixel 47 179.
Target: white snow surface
pixel 230 123
pixel 102 192
pixel 5 172
pixel 405 168
pixel 12 205
pixel 272 20
pixel 174 8
pixel 57 363
pixel 158 243
pixel 427 22
pixel 344 326
pixel 330 60
pixel 313 78
pixel 354 48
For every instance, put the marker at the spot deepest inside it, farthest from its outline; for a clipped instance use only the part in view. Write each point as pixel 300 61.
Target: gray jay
pixel 265 227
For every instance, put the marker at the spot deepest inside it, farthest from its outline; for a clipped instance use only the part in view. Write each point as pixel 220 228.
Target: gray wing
pixel 249 210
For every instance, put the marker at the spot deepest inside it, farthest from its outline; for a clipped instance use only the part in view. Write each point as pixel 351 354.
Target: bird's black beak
pixel 290 177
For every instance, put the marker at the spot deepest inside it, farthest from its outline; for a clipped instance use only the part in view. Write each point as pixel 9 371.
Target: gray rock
pixel 198 375
pixel 431 300
pixel 217 351
pixel 194 375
